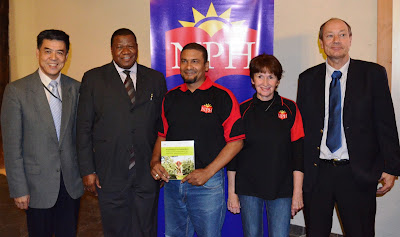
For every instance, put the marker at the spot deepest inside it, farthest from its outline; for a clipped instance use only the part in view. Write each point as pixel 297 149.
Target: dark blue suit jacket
pixel 368 121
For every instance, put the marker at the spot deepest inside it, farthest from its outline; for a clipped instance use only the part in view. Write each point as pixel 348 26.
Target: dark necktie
pixel 129 86
pixel 334 138
pixel 131 93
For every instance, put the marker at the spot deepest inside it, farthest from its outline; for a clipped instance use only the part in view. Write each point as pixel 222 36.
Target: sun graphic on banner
pixel 211 23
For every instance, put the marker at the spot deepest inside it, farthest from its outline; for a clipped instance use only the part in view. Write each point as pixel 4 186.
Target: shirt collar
pixel 343 70
pixel 277 97
pixel 120 70
pixel 206 85
pixel 46 80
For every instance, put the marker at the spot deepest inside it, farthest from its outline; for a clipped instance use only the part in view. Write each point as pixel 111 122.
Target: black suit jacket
pixel 368 121
pixel 108 125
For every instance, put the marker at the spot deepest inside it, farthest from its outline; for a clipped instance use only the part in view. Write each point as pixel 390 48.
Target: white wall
pixel 90 24
pixel 296 34
pixel 388 209
pixel 296 41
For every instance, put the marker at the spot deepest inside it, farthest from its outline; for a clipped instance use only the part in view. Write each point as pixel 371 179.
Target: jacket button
pixel 315 164
pixel 317 147
pixel 58 170
pixel 322 130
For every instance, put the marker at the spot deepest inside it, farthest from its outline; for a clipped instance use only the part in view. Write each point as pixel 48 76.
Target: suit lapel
pixel 114 84
pixel 351 83
pixel 319 84
pixel 41 104
pixel 141 87
pixel 66 106
pixel 145 90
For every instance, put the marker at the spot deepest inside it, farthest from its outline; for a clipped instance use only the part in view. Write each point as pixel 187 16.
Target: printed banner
pixel 233 32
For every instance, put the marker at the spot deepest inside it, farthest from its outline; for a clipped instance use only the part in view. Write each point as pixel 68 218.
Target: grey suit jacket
pixel 33 156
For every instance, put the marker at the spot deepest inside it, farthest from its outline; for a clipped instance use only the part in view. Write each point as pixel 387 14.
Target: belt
pixel 335 162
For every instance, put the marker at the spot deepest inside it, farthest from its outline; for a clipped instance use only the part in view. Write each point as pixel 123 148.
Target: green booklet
pixel 177 158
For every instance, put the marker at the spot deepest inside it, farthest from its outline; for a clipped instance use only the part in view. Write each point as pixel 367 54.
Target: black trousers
pixel 129 212
pixel 61 219
pixel 356 206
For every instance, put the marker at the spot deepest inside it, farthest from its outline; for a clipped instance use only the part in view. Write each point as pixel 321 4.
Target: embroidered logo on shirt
pixel 207 108
pixel 282 114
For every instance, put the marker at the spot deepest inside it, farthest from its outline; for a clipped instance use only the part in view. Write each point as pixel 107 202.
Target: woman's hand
pixel 233 203
pixel 297 202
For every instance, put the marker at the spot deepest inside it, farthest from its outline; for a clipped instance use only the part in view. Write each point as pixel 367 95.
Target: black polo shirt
pixel 210 116
pixel 273 148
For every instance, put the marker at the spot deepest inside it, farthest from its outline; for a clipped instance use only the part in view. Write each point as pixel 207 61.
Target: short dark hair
pixel 52 35
pixel 264 62
pixel 321 29
pixel 197 47
pixel 122 31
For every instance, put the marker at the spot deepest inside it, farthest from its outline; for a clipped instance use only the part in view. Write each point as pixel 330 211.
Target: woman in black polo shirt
pixel 269 167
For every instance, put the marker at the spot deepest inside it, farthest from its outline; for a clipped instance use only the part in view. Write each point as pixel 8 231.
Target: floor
pixel 13 223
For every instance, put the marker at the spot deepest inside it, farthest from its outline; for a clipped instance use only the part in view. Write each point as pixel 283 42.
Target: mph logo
pixel 230 45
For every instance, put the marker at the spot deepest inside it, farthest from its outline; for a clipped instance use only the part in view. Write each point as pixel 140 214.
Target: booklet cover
pixel 177 158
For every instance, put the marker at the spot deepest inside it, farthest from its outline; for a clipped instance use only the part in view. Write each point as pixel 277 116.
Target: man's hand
pixel 388 181
pixel 90 182
pixel 158 172
pixel 22 202
pixel 198 177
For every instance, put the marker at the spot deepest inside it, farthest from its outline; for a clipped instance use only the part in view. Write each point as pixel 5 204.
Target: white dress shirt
pixel 123 76
pixel 46 82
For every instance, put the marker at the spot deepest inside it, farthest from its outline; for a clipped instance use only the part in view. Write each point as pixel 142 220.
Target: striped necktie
pixel 131 93
pixel 55 106
pixel 129 86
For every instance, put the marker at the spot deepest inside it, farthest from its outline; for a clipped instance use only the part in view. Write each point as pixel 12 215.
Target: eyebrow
pixel 344 30
pixel 62 50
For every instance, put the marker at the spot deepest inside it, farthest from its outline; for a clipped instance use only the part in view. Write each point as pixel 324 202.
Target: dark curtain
pixel 4 61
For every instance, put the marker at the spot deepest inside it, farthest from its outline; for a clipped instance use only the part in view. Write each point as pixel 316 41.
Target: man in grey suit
pixel 38 128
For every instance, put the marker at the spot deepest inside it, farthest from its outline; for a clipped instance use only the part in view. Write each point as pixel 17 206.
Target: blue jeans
pixel 278 215
pixel 199 209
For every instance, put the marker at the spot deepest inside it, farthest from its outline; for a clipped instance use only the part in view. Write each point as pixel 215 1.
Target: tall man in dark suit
pixel 38 125
pixel 351 140
pixel 118 113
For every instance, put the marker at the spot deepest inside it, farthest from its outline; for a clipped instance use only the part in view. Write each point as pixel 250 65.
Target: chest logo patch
pixel 282 114
pixel 207 108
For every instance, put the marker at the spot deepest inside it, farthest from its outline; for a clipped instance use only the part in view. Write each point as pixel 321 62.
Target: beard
pixel 189 81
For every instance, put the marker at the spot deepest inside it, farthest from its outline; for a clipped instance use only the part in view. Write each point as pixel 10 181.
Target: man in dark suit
pixel 38 127
pixel 351 141
pixel 118 115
